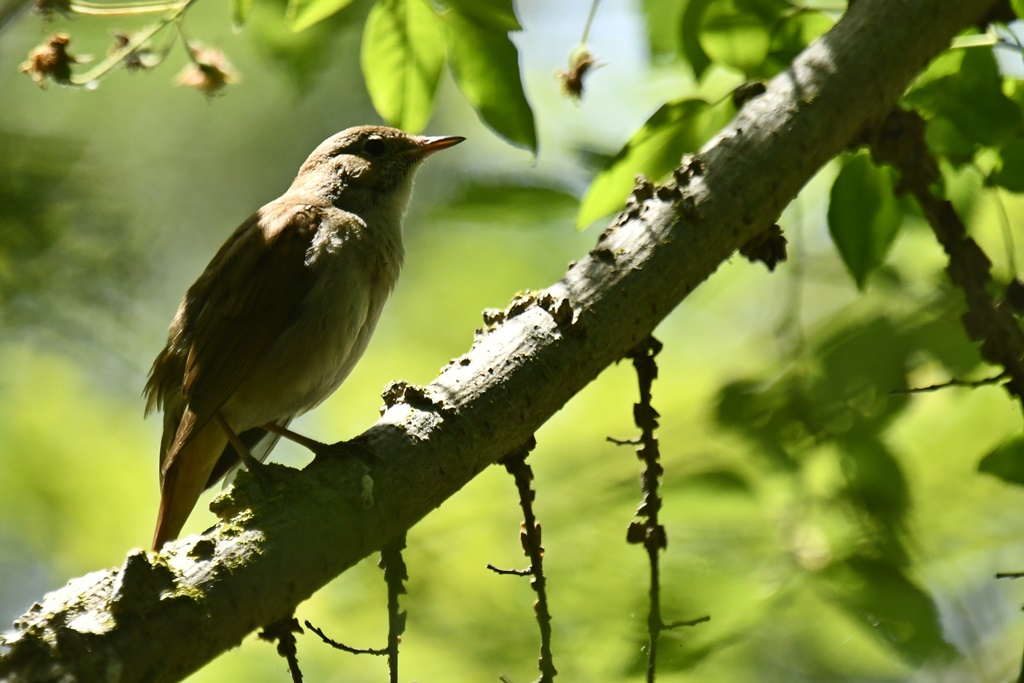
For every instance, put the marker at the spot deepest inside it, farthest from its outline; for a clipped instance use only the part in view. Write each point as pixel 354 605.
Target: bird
pixel 282 313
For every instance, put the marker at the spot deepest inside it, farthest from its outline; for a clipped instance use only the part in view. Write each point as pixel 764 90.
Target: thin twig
pixel 590 21
pixel 395 576
pixel 1009 575
pixel 530 539
pixel 900 142
pixel 969 383
pixel 685 622
pixel 649 531
pixel 509 572
pixel 342 646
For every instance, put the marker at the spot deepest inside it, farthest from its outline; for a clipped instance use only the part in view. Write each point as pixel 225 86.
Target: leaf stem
pixel 590 21
pixel 93 9
pixel 137 41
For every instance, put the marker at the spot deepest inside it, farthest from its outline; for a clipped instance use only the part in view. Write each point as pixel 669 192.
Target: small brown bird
pixel 282 313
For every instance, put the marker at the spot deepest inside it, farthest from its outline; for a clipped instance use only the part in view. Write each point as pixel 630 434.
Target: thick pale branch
pixel 159 618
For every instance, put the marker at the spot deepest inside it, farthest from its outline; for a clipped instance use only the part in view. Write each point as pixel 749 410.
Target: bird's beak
pixel 428 146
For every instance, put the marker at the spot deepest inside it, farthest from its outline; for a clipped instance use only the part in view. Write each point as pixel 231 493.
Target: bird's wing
pixel 242 301
pixel 163 386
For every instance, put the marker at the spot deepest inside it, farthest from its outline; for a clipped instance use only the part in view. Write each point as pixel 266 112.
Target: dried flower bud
pixel 580 62
pixel 209 71
pixel 51 59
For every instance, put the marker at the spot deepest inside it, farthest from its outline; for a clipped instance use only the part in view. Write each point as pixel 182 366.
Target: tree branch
pixel 161 617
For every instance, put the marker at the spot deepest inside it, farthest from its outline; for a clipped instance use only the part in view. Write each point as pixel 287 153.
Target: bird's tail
pixel 186 471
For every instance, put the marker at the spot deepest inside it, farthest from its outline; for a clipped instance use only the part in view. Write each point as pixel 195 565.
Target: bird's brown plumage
pixel 282 312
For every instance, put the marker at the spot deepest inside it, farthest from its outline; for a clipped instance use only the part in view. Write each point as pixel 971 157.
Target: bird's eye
pixel 375 147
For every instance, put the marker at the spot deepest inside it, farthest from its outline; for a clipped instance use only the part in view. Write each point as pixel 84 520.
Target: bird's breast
pixel 329 330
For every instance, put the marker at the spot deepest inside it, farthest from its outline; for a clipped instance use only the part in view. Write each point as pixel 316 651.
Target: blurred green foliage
pixel 834 527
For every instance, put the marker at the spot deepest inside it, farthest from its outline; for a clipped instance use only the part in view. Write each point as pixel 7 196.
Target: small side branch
pixel 509 572
pixel 530 538
pixel 395 576
pixel 342 646
pixel 648 530
pixel 900 141
pixel 1010 575
pixel 970 384
pixel 283 632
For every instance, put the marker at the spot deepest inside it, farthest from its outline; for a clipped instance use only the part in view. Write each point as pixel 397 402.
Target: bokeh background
pixel 834 532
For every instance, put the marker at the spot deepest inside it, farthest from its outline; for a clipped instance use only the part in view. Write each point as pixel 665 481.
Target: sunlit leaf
pixel 758 37
pixel 738 33
pixel 301 14
pixel 1006 461
pixel 676 128
pixel 402 55
pixel 486 67
pixel 864 215
pixel 972 99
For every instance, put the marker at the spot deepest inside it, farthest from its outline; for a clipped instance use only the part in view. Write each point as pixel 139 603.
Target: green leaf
pixel 494 14
pixel 678 127
pixel 662 18
pixel 972 99
pixel 1006 461
pixel 739 33
pixel 485 64
pixel 301 14
pixel 402 55
pixel 946 140
pixel 864 215
pixel 1010 173
pixel 758 37
pixel 1018 7
pixel 694 53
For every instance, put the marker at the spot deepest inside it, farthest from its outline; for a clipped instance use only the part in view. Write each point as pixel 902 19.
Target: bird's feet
pixel 259 471
pixel 357 448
